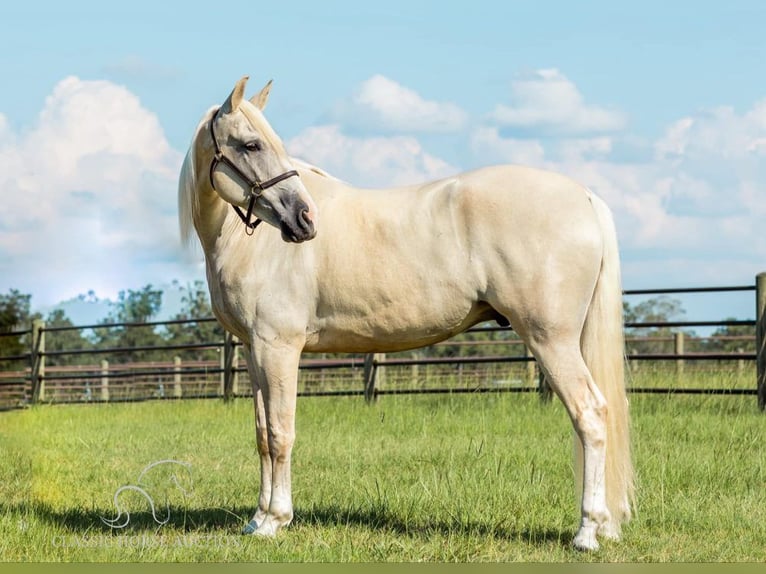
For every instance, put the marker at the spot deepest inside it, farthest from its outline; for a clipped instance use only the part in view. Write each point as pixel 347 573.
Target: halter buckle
pixel 256 185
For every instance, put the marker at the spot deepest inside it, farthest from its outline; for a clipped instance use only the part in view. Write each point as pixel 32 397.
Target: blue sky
pixel 660 107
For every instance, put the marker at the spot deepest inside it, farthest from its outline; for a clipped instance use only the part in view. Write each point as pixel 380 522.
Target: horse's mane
pixel 188 202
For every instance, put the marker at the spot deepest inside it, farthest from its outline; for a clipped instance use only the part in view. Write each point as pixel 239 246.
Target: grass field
pixel 411 478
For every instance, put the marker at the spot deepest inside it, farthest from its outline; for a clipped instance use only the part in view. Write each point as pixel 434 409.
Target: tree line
pixel 143 305
pixel 131 306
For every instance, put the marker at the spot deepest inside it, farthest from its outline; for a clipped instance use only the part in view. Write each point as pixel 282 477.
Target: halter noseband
pixel 256 186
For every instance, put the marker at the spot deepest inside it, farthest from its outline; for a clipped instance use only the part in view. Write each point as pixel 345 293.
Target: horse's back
pixel 523 195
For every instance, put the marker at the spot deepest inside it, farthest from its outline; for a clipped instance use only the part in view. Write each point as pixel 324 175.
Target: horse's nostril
pixel 305 219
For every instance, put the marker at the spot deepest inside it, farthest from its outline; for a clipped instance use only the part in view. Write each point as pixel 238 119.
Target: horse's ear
pixel 259 100
pixel 237 95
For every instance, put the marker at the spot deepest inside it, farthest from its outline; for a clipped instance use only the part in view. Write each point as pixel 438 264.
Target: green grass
pixel 412 478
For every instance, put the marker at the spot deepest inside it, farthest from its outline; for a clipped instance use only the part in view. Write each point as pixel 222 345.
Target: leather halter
pixel 256 186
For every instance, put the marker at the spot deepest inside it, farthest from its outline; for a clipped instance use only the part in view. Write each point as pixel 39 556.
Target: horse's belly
pixel 395 328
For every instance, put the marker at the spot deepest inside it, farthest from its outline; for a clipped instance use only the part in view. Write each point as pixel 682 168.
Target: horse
pixel 342 269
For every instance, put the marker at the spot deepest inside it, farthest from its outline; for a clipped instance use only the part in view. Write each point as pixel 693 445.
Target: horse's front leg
pixel 262 442
pixel 276 371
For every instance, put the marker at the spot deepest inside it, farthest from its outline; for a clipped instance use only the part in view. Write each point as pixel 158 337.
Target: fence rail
pixel 370 375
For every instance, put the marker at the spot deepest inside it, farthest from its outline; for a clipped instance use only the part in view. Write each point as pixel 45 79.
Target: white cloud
pixel 721 132
pixel 716 162
pixel 488 144
pixel 5 131
pixel 368 162
pixel 546 101
pixel 89 196
pixel 381 104
pixel 673 143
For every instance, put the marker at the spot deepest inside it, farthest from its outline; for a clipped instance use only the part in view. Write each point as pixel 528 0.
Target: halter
pixel 256 186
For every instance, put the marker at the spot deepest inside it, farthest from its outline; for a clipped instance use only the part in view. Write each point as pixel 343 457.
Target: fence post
pixel 227 364
pixel 178 391
pixel 105 380
pixel 371 361
pixel 760 337
pixel 679 350
pixel 37 360
pixel 740 362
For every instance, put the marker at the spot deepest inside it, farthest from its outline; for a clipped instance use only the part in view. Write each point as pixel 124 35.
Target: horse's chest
pixel 230 306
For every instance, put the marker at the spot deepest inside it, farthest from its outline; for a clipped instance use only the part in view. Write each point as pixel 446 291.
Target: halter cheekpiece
pixel 256 186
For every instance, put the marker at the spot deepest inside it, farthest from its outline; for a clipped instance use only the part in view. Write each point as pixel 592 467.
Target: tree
pixel 195 301
pixel 65 340
pixel 14 311
pixel 138 306
pixel 15 315
pixel 134 307
pixel 195 305
pixel 731 338
pixel 656 310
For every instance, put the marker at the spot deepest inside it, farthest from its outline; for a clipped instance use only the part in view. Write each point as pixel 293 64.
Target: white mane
pixel 188 203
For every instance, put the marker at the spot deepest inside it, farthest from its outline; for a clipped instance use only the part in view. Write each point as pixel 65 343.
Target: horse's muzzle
pixel 300 228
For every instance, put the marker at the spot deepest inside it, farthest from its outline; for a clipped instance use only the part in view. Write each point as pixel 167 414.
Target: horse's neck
pixel 223 257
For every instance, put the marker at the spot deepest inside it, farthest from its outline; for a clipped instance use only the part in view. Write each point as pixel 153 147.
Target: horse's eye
pixel 253 146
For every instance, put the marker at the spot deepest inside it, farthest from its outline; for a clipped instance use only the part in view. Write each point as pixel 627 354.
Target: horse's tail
pixel 603 349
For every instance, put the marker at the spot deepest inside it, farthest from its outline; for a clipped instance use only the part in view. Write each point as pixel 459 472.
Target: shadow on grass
pixel 80 520
pixel 378 518
pixel 230 521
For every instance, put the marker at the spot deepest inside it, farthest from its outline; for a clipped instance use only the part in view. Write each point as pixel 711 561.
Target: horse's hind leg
pixel 571 380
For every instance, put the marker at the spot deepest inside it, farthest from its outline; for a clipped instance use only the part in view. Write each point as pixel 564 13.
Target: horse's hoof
pixel 585 545
pixel 251 527
pixel 610 530
pixel 586 540
pixel 268 528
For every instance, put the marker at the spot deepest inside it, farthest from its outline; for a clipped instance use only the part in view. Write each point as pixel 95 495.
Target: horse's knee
pixel 280 444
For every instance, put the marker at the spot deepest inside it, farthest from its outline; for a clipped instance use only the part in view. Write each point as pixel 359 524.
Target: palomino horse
pixel 341 269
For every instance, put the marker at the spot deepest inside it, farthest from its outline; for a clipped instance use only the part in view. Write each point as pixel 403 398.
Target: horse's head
pixel 251 170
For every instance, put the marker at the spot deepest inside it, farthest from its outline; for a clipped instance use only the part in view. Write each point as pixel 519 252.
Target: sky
pixel 659 107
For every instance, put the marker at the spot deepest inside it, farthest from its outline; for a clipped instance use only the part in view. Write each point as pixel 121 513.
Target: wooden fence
pixel 500 363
